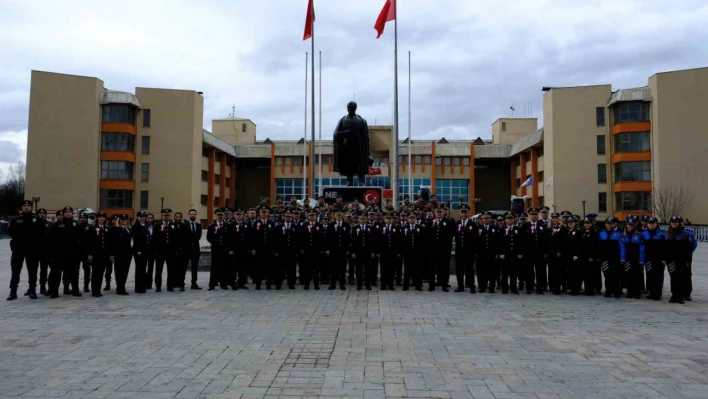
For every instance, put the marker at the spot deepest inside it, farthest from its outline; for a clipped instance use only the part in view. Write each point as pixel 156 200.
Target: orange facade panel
pixel 117 185
pixel 631 156
pixel 628 127
pixel 109 127
pixel 631 186
pixel 118 156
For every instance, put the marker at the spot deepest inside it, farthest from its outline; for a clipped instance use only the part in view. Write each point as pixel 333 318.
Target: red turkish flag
pixel 388 13
pixel 309 20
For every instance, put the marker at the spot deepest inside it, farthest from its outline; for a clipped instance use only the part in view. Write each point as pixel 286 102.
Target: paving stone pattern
pixel 370 344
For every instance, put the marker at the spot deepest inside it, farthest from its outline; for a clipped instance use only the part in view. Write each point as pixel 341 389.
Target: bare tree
pixel 12 189
pixel 670 200
pixel 16 178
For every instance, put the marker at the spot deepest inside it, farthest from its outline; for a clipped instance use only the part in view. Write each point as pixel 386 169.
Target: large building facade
pixel 599 151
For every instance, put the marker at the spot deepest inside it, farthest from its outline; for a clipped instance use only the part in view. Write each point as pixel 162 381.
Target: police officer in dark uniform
pixel 511 253
pixel 589 257
pixel 164 240
pixel 66 244
pixel 362 250
pixel 338 236
pixel 240 242
pixel 537 253
pixel 26 232
pixel 142 246
pixel 611 252
pixel 121 252
pixel 465 231
pixel 573 256
pixel 44 252
pixel 440 231
pixel 287 244
pixel 310 235
pixel 193 250
pixel 99 248
pixel 655 257
pixel 324 260
pixel 390 251
pixel 262 247
pixel 86 230
pixel 217 235
pixel 413 248
pixel 557 245
pixel 488 248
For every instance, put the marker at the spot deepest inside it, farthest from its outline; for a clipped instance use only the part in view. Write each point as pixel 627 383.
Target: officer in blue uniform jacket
pixel 654 258
pixel 633 266
pixel 612 257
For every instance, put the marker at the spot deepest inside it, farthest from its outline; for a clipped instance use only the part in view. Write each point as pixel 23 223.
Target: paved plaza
pixel 370 344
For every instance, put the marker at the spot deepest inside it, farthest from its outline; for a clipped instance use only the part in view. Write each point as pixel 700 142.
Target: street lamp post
pixel 162 203
pixel 583 208
pixel 35 201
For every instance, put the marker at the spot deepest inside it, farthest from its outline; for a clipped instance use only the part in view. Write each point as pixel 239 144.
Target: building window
pixel 217 179
pixel 454 192
pixel 146 118
pixel 205 175
pixel 145 172
pixel 297 161
pixel 287 161
pixel 243 128
pixel 117 142
pixel 456 161
pixel 602 173
pixel 600 116
pixel 228 182
pixel 144 198
pixel 381 161
pixel 205 152
pixel 216 201
pixel 145 145
pixel 117 170
pixel 602 202
pixel 204 200
pixel 600 145
pixel 426 159
pixel 633 201
pixel 325 159
pixel 632 112
pixel 438 161
pixel 118 113
pixel 633 171
pixel 503 126
pixel 541 201
pixel 627 142
pixel 229 160
pixel 116 199
pixel 288 187
pixel 466 161
pixel 405 189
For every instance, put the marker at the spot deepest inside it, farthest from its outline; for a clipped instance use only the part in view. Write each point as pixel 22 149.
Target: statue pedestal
pixel 364 194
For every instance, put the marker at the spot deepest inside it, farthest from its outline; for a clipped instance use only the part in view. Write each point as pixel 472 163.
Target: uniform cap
pixel 288 213
pixel 676 219
pixel 572 219
pixel 523 216
pixel 487 215
pixel 166 211
pixel 591 216
pixel 438 210
pixel 464 207
pixel 500 218
pixel 645 218
pixel 103 214
pixel 566 213
pixel 264 210
pixel 59 212
pixel 354 216
pixel 123 217
pixel 219 211
pixel 42 211
pixel 533 211
pixel 652 219
pixel 403 214
pixel 27 202
pixel 631 221
pixel 508 215
pixel 610 219
pixel 311 212
pixel 141 213
pixel 555 215
pixel 545 209
pixel 83 215
pixel 227 210
pixel 67 208
pixel 411 216
pixel 326 217
pixel 238 213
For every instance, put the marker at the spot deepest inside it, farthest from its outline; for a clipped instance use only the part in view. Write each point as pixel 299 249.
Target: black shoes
pixel 86 289
pixel 460 289
pixel 212 288
pixel 12 296
pixel 196 287
pixel 108 287
pixel 32 294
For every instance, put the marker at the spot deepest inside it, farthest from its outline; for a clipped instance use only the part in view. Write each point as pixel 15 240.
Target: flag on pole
pixel 309 20
pixel 528 182
pixel 549 183
pixel 388 13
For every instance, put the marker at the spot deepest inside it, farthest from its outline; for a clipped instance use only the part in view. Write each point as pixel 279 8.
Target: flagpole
pixel 304 138
pixel 410 180
pixel 319 178
pixel 312 110
pixel 394 174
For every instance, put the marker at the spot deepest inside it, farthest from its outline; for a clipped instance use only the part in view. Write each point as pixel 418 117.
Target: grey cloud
pixel 10 152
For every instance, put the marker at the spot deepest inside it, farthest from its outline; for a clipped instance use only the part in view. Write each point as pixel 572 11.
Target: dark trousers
pixel 486 271
pixel 16 260
pixel 309 269
pixel 217 273
pixel 399 270
pixel 288 267
pixel 150 257
pixel 556 271
pixel 86 266
pixel 43 269
pixel 633 277
pixel 389 260
pixel 655 273
pixel 242 261
pixel 575 274
pixel 413 271
pixel 162 258
pixel 351 268
pixel 261 267
pixel 67 265
pixel 361 265
pixel 175 269
pixel 98 266
pixel 440 267
pixel 464 265
pixel 109 272
pixel 140 271
pixel 509 272
pixel 337 267
pixel 677 270
pixel 612 269
pixel 688 280
pixel 537 271
pixel 122 267
pixel 589 271
pixel 191 261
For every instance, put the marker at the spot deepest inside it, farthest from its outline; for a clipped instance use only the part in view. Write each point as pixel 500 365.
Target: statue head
pixel 351 108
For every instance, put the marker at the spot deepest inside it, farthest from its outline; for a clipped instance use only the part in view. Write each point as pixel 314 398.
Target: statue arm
pixel 366 139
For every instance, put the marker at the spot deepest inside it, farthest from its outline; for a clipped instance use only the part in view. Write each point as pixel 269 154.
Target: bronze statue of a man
pixel 351 146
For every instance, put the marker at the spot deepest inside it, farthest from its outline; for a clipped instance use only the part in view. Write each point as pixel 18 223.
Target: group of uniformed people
pixel 346 243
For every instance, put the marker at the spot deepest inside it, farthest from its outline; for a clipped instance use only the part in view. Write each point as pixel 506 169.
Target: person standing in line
pixel 44 252
pixel 414 248
pixel 464 251
pixel 511 253
pixel 487 249
pixel 338 244
pixel 679 248
pixel 66 245
pixel 99 247
pixel 26 232
pixel 121 252
pixel 612 257
pixel 557 245
pixel 633 268
pixel 164 239
pixel 150 257
pixel 193 252
pixel 286 238
pixel 141 247
pixel 113 221
pixel 217 236
pixel 86 232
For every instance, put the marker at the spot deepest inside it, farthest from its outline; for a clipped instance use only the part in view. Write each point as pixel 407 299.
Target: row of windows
pixel 123 142
pixel 633 171
pixel 116 199
pixel 207 150
pixel 217 178
pixel 631 112
pixel 625 142
pixel 217 200
pixel 117 170
pixel 633 201
pixel 119 113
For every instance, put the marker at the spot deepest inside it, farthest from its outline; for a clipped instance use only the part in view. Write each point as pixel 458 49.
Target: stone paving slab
pixel 346 344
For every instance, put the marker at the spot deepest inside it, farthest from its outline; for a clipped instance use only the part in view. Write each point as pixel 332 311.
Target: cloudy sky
pixel 471 59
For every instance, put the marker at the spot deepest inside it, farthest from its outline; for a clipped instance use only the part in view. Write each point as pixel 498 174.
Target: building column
pixel 522 165
pixel 534 176
pixel 310 165
pixel 513 176
pixel 432 168
pixel 473 195
pixel 272 173
pixel 210 186
pixel 222 180
pixel 232 189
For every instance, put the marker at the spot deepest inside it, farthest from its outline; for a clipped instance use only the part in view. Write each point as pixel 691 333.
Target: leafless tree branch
pixel 670 200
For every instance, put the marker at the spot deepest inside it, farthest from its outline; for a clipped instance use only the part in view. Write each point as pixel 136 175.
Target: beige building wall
pixel 679 143
pixel 570 148
pixel 176 148
pixel 64 140
pixel 508 131
pixel 234 131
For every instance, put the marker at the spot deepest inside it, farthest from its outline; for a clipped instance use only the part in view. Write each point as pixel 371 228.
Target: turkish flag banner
pixel 309 20
pixel 388 13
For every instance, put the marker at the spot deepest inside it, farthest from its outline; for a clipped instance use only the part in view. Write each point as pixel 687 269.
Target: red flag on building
pixel 388 13
pixel 309 20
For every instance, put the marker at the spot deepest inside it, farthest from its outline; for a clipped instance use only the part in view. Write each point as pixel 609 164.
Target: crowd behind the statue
pixel 350 243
